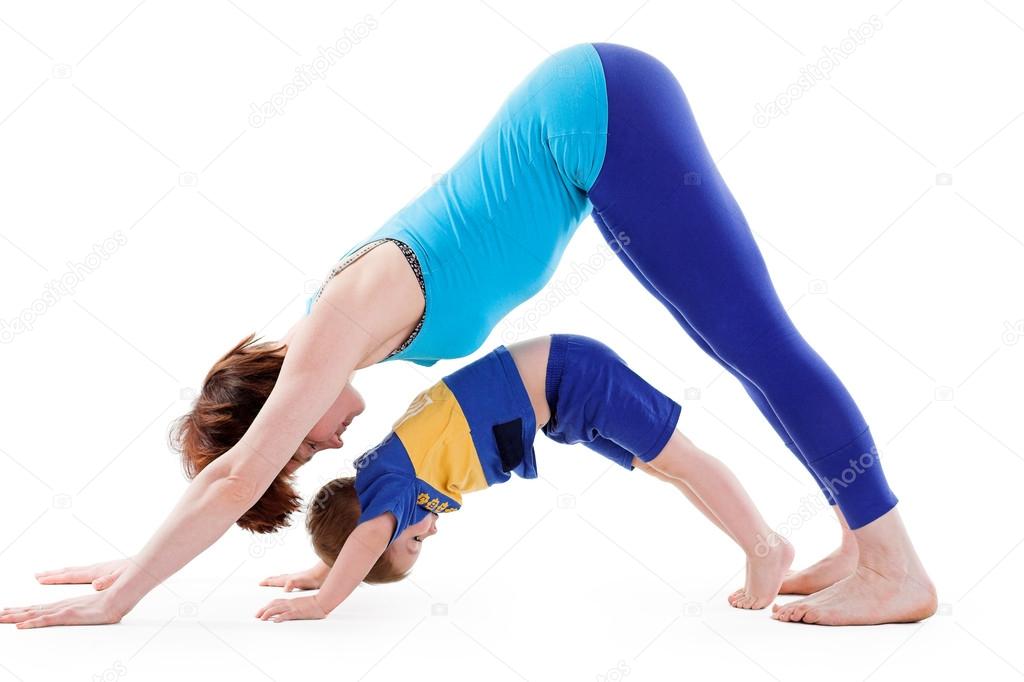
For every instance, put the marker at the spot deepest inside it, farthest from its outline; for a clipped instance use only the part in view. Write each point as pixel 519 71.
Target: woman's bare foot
pixel 867 597
pixel 889 584
pixel 830 570
pixel 764 576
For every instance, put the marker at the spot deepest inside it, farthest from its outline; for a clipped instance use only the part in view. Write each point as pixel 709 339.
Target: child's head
pixel 333 515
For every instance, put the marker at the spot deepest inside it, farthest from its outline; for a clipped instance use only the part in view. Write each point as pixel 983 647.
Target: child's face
pixel 405 550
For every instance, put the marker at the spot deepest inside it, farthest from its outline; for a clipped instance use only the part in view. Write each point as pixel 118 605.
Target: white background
pixel 134 120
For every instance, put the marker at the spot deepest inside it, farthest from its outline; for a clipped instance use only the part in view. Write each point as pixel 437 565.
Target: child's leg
pixel 596 399
pixel 686 490
pixel 624 458
pixel 768 554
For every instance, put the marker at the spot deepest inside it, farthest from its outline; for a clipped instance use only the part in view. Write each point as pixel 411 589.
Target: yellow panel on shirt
pixel 437 437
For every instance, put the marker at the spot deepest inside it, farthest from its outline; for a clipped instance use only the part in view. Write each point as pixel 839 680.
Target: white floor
pixel 570 592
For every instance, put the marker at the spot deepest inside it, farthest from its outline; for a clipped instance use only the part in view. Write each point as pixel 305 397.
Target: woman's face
pixel 326 434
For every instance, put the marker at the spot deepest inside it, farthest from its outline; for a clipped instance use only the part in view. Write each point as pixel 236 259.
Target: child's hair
pixel 233 393
pixel 331 517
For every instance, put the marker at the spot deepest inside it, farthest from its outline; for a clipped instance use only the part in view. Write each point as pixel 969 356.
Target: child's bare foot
pixel 830 570
pixel 764 576
pixel 869 596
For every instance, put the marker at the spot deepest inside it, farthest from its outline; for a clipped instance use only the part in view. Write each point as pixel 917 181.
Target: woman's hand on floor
pixel 310 579
pixel 91 609
pixel 101 575
pixel 300 608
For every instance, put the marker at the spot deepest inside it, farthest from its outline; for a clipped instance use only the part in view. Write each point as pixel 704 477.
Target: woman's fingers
pixel 42 620
pixel 85 610
pixel 21 610
pixel 14 609
pixel 28 614
pixel 103 583
pixel 77 575
pixel 65 576
pixel 273 581
pixel 16 616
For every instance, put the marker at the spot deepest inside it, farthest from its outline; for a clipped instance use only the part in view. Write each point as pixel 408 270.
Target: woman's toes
pixel 811 616
pixel 798 612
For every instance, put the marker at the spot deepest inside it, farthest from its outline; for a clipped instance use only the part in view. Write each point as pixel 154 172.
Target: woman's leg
pixel 660 193
pixel 753 391
pixel 843 560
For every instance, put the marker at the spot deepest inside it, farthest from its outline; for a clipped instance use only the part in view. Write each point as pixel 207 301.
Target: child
pixel 476 428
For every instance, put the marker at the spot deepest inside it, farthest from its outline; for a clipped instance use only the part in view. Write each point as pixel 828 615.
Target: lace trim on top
pixel 414 263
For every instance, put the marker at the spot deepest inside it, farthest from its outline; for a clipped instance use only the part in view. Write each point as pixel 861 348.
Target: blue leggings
pixel 670 217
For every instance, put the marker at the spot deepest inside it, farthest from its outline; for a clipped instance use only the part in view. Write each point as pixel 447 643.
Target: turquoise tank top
pixel 491 231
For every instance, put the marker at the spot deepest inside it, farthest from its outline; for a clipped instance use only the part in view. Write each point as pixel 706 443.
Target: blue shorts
pixel 597 400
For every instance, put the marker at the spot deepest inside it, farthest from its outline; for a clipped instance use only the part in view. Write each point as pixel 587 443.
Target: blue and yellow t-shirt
pixel 469 431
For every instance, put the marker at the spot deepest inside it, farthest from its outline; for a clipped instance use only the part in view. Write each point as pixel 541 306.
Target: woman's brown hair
pixel 233 393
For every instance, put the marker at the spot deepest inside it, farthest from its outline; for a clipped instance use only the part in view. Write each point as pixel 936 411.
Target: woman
pixel 596 128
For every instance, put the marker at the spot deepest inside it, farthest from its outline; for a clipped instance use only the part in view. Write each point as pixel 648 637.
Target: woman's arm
pixel 354 317
pixel 358 555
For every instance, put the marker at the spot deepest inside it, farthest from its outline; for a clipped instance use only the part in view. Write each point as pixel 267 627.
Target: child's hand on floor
pixel 300 608
pixel 310 579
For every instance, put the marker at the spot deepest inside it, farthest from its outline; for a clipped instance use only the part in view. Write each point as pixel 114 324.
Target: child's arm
pixel 358 555
pixel 310 579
